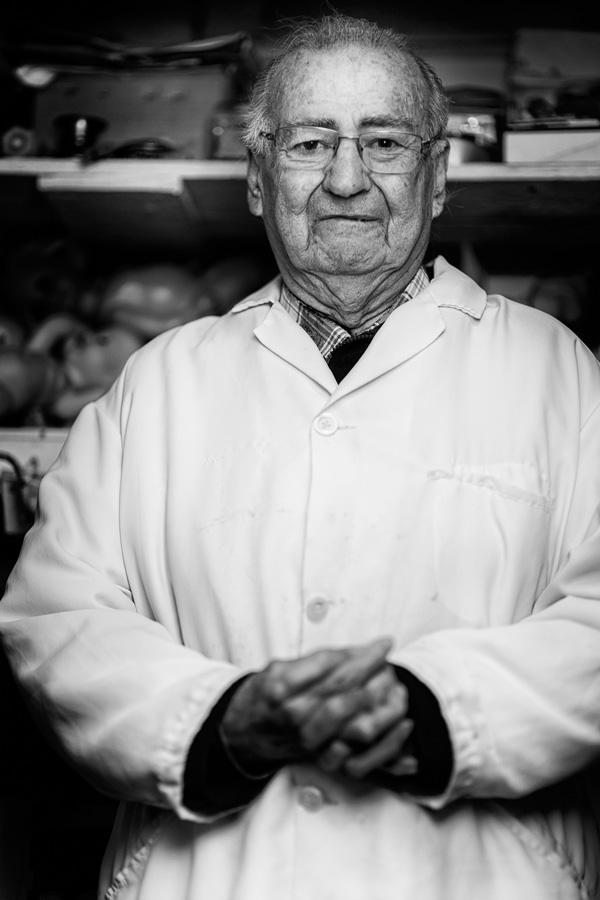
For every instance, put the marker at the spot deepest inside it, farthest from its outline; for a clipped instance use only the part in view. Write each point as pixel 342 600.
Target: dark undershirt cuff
pixel 214 784
pixel 429 742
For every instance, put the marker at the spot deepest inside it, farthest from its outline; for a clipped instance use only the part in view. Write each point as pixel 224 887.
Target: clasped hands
pixel 342 709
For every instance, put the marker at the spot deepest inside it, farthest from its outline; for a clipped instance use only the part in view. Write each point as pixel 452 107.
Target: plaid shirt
pixel 326 333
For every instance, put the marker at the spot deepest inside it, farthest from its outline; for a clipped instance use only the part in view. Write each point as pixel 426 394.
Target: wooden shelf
pixel 534 203
pixel 166 204
pixel 178 204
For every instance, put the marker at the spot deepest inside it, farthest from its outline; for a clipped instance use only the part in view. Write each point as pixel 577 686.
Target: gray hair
pixel 327 33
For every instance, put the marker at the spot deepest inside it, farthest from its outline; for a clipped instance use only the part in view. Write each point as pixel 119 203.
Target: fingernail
pixel 409 765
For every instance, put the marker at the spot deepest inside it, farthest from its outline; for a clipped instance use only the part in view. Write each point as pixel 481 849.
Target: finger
pixel 283 679
pixel 358 668
pixel 326 721
pixel 304 705
pixel 368 727
pixel 334 756
pixel 384 752
pixel 406 765
pixel 289 677
pixel 358 715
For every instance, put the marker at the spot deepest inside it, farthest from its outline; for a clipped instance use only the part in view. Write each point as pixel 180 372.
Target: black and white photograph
pixel 299 450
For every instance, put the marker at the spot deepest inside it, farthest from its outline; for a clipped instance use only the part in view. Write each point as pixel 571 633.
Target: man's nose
pixel 346 175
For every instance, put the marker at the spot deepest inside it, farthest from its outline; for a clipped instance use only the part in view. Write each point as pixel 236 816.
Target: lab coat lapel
pixel 415 325
pixel 279 333
pixel 408 330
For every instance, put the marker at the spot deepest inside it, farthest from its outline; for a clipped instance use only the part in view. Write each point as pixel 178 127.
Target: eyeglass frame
pixel 424 150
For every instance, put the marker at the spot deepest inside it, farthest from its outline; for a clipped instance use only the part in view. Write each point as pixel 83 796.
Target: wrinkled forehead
pixel 369 84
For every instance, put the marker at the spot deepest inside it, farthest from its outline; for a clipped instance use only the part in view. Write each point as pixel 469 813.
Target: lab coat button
pixel 311 798
pixel 317 609
pixel 326 425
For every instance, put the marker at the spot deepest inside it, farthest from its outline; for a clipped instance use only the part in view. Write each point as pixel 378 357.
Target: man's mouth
pixel 344 218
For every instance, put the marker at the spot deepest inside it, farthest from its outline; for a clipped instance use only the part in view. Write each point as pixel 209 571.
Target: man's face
pixel 345 220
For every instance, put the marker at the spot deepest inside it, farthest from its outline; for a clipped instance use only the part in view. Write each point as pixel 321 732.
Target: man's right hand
pixel 340 708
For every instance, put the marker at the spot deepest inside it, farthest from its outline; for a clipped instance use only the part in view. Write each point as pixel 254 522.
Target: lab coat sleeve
pixel 522 701
pixel 115 690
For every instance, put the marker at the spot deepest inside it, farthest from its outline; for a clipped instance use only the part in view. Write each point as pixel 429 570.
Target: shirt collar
pixel 326 333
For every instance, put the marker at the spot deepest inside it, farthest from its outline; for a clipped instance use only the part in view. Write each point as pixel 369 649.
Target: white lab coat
pixel 226 503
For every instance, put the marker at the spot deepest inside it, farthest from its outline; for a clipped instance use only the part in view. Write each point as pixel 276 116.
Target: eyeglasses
pixel 383 152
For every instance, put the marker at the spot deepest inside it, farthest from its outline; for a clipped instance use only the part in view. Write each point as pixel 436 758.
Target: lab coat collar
pixel 452 288
pixel 267 294
pixel 409 329
pixel 449 288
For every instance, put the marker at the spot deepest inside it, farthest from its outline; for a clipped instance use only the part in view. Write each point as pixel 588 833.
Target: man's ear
pixel 254 188
pixel 440 169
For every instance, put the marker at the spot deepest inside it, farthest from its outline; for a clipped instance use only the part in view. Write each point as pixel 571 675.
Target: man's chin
pixel 348 261
pixel 349 246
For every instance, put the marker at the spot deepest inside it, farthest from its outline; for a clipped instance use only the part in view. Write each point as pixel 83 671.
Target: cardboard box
pixel 552 146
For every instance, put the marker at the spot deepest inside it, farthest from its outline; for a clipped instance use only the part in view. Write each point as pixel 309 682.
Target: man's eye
pixel 308 148
pixel 384 144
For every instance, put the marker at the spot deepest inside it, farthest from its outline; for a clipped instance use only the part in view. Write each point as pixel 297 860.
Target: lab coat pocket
pixel 490 527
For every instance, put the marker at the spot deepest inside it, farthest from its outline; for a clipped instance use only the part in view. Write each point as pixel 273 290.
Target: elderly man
pixel 314 588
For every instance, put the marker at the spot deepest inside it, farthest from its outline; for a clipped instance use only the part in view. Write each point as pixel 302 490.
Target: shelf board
pixel 150 174
pixel 507 172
